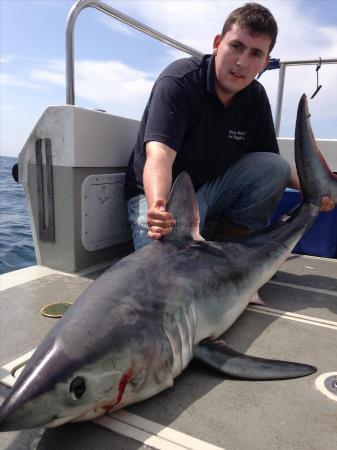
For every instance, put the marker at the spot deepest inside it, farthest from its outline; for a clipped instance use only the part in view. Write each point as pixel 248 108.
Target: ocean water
pixel 16 242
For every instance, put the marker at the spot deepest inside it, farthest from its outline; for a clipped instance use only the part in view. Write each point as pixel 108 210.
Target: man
pixel 210 117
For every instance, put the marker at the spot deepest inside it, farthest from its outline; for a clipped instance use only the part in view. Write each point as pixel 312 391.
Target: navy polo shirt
pixel 185 113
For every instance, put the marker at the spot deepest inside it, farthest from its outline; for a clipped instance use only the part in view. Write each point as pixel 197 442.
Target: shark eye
pixel 77 387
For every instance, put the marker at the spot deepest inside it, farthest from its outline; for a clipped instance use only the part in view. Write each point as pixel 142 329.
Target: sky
pixel 116 66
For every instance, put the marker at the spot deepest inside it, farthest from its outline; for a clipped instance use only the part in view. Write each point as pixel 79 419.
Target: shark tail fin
pixel 315 176
pixel 230 362
pixel 183 205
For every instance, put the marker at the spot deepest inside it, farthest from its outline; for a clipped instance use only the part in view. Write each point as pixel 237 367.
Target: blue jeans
pixel 247 194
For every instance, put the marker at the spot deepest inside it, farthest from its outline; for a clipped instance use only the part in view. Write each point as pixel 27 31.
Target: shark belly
pixel 231 288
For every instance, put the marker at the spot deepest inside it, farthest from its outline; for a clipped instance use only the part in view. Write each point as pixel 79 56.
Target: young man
pixel 210 117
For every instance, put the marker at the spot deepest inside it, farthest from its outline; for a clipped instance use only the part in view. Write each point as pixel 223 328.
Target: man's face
pixel 239 57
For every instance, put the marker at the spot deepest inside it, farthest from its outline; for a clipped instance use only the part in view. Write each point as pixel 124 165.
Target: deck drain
pixel 55 309
pixel 327 384
pixel 331 384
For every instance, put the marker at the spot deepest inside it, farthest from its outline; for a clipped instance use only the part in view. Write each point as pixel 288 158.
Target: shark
pixel 138 326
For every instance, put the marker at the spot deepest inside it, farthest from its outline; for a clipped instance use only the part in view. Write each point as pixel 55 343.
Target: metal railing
pixel 72 16
pixel 281 79
pixel 82 4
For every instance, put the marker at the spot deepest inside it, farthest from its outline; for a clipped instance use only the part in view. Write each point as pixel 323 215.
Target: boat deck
pixel 204 410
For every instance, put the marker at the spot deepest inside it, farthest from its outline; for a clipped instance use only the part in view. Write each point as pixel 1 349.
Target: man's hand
pixel 157 180
pixel 327 204
pixel 160 222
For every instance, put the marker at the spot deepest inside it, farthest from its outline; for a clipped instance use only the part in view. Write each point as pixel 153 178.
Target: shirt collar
pixel 243 96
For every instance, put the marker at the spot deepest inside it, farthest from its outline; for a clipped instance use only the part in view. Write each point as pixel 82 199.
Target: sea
pixel 16 242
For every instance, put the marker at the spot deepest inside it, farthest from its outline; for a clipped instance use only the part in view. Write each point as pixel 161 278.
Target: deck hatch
pixel 104 212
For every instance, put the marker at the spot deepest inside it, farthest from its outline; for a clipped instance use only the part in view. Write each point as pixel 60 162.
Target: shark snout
pixel 22 409
pixel 13 418
pixel 5 422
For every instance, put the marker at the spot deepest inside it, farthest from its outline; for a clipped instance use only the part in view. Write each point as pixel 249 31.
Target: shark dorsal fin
pixel 182 203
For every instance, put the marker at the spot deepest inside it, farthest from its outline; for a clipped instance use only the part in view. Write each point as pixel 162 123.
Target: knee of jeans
pixel 276 169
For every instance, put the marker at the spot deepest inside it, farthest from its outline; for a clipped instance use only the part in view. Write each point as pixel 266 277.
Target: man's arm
pixel 326 204
pixel 157 179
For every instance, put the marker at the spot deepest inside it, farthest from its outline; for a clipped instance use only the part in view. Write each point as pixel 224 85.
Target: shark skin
pixel 138 326
pixel 314 174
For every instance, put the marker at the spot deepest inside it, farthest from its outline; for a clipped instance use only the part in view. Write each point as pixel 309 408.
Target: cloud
pixel 125 90
pixel 192 22
pixel 116 26
pixel 109 85
pixel 7 79
pixel 50 76
pixel 5 60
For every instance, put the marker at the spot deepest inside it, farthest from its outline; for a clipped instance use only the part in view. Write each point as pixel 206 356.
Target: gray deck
pixel 228 413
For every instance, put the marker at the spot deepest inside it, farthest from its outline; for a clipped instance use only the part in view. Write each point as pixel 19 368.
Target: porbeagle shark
pixel 139 325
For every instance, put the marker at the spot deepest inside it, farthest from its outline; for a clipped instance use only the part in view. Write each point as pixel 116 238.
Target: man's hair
pixel 255 17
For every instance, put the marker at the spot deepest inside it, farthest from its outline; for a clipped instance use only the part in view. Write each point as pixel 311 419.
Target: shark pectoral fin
pixel 235 364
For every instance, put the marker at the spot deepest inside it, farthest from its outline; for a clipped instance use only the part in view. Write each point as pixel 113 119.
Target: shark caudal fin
pixel 316 178
pixel 183 205
pixel 235 364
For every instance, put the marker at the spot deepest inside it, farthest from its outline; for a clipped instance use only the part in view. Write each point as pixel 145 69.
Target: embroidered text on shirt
pixel 237 135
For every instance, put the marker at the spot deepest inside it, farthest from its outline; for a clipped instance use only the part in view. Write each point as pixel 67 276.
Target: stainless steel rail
pixel 82 4
pixel 72 16
pixel 280 90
